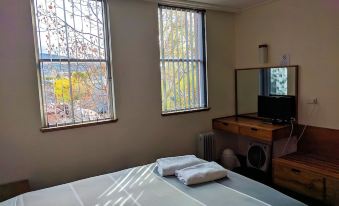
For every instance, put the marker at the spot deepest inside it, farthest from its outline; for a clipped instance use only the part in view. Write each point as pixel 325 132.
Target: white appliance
pixel 229 160
pixel 258 156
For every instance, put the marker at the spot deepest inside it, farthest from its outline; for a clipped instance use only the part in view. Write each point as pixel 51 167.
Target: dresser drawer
pixel 261 134
pixel 299 180
pixel 225 126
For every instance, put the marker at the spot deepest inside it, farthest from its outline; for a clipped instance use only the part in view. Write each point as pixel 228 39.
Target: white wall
pixel 308 30
pixel 140 136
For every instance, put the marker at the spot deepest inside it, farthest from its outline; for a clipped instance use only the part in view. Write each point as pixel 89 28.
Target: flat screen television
pixel 277 108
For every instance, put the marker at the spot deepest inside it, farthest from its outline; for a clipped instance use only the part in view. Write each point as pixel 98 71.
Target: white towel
pixel 168 166
pixel 201 173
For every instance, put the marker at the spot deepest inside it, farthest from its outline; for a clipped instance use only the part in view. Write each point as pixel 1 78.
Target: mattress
pixel 144 186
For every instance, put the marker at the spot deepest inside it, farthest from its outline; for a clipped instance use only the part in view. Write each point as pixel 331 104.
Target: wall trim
pixel 196 5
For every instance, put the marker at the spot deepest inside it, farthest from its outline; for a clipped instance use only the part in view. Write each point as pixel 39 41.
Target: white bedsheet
pixel 137 186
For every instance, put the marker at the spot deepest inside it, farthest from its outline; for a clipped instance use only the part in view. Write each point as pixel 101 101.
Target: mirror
pixel 271 81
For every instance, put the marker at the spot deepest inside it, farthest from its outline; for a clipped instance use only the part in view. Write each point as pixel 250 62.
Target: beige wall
pixel 308 30
pixel 140 136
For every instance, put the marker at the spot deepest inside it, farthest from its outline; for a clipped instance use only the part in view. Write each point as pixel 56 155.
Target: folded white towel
pixel 168 166
pixel 200 173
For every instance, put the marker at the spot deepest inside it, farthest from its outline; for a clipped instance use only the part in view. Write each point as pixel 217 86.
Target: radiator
pixel 206 146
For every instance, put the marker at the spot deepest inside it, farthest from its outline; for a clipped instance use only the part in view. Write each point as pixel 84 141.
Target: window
pixel 278 81
pixel 73 58
pixel 182 59
pixel 274 81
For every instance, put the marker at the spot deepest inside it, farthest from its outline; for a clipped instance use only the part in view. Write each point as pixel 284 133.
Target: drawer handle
pixel 224 123
pixel 295 171
pixel 254 129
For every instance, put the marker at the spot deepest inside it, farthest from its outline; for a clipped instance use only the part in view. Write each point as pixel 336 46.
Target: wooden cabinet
pixel 13 189
pixel 309 175
pixel 300 180
pixel 253 128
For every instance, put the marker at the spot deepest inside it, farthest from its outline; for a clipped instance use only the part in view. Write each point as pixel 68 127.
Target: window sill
pixel 185 111
pixel 73 126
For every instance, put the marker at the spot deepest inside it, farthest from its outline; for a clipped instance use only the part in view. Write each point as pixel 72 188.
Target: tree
pixel 279 81
pixel 79 83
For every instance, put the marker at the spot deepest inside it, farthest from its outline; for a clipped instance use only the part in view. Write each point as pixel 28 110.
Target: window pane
pixel 182 59
pixel 70 28
pixel 75 76
pixel 87 91
pixel 278 81
pixel 56 93
pixel 90 91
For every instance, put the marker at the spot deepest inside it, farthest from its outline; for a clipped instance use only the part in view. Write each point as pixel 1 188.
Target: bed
pixel 144 186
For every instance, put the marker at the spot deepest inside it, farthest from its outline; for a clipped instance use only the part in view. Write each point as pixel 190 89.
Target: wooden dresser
pixel 253 128
pixel 314 170
pixel 308 174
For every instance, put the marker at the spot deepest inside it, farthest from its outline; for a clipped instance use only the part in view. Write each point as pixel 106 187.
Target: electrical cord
pixel 302 133
pixel 289 138
pixel 306 125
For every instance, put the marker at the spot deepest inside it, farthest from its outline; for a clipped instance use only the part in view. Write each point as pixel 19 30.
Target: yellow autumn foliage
pixel 62 88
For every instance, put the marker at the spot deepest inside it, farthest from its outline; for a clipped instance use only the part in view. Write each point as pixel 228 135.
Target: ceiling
pixel 235 4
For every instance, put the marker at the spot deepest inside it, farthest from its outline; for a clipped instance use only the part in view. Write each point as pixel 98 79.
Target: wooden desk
pixel 252 128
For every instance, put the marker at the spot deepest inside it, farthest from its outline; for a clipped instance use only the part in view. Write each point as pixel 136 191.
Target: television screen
pixel 277 107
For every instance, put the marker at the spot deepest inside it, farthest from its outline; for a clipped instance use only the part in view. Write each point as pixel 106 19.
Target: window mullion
pixel 197 45
pixel 192 64
pixel 182 21
pixel 77 65
pixel 62 86
pixel 177 45
pixel 99 49
pixel 69 65
pixel 163 65
pixel 172 52
pixel 202 74
pixel 187 57
pixel 43 72
pixel 83 38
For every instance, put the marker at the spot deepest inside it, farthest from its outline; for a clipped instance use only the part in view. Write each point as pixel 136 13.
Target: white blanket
pixel 168 166
pixel 201 173
pixel 142 186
